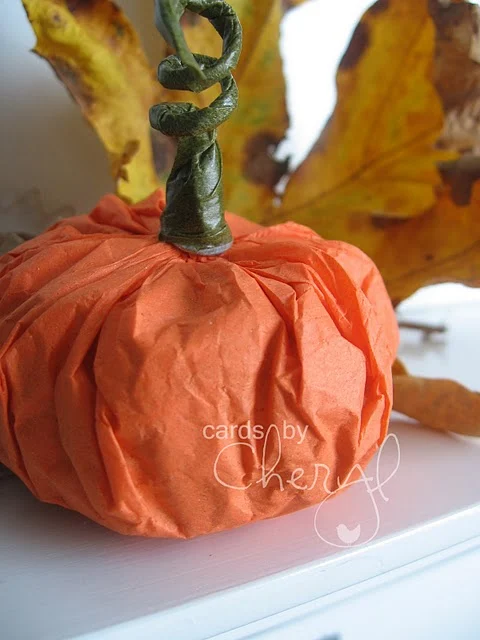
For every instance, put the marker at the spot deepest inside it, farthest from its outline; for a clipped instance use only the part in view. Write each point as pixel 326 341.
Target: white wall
pixel 44 140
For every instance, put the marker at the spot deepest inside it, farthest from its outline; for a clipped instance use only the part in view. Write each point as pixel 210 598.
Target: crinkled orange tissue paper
pixel 156 392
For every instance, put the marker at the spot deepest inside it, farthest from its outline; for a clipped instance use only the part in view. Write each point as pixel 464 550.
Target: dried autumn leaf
pixel 440 245
pixel 439 404
pixel 377 158
pixel 377 153
pixel 457 72
pixel 250 136
pixel 96 53
pixel 259 124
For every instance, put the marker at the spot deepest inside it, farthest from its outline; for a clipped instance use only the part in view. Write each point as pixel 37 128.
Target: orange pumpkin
pixel 128 369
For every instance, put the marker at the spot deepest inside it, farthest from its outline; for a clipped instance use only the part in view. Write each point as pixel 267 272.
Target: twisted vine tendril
pixel 194 219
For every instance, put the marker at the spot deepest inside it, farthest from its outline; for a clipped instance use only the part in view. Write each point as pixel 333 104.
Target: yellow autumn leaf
pixel 441 245
pixel 377 153
pixel 250 137
pixel 96 53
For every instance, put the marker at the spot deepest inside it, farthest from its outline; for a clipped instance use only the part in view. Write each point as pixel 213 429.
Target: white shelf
pixel 65 577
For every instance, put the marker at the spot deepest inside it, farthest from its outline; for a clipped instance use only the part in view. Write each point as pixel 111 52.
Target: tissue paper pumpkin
pixel 178 383
pixel 165 394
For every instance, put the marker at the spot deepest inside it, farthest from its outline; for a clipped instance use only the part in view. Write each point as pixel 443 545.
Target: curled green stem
pixel 194 217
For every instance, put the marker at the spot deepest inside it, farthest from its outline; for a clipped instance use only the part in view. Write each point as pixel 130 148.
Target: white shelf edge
pixel 420 546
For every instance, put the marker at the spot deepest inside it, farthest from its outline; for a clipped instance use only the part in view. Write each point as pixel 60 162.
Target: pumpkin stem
pixel 194 217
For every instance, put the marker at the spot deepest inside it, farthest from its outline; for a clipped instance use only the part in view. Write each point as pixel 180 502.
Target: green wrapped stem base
pixel 201 246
